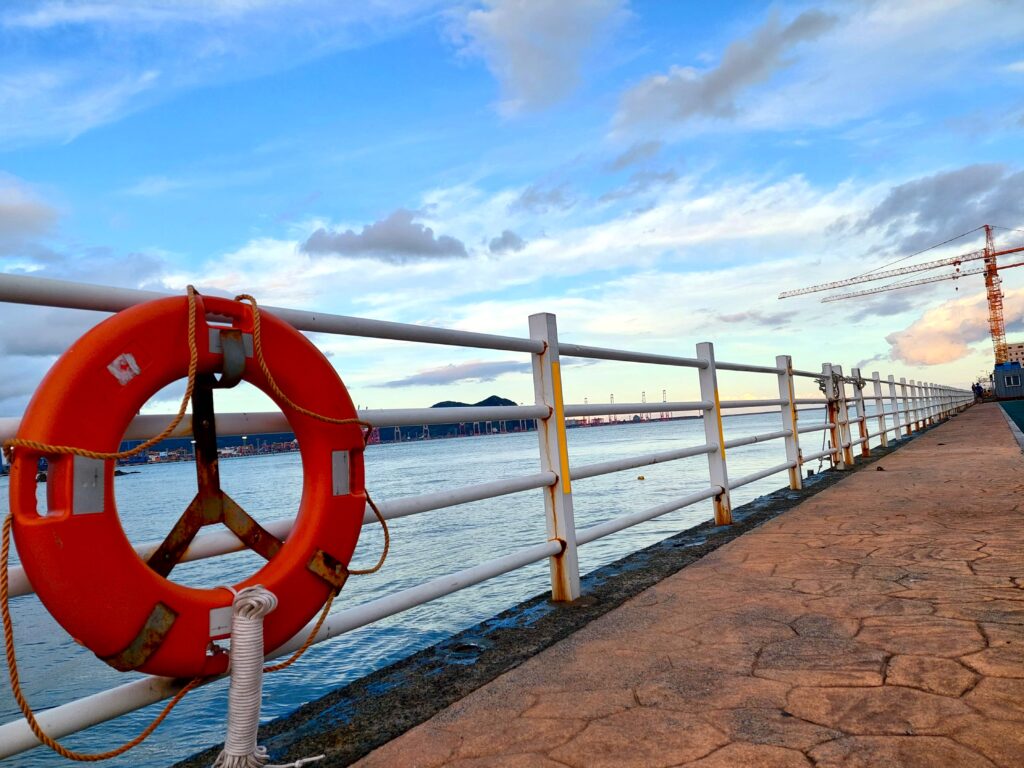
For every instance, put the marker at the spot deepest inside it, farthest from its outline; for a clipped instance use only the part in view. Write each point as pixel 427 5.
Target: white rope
pixel 245 692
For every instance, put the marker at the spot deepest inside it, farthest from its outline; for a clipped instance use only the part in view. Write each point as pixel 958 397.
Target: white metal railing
pixel 900 409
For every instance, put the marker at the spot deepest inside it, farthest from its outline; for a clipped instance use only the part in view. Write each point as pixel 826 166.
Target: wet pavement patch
pixel 350 722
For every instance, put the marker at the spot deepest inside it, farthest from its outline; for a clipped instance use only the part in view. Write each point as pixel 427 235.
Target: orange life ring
pixel 76 554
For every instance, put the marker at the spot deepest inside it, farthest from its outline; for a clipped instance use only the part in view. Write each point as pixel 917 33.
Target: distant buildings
pixel 1015 353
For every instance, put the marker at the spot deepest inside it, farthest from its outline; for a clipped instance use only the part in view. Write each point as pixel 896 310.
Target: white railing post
pixel 845 433
pixel 883 428
pixel 929 403
pixel 554 457
pixel 789 420
pixel 713 433
pixel 907 412
pixel 897 419
pixel 832 415
pixel 915 406
pixel 862 412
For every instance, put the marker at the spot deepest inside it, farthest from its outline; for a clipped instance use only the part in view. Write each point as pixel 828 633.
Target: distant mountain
pixel 456 428
pixel 486 402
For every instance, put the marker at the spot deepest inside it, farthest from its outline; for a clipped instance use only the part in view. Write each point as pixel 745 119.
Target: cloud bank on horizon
pixel 652 173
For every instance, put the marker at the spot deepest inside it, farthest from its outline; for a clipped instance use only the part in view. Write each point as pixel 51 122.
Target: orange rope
pixel 193 363
pixel 19 696
pixel 257 343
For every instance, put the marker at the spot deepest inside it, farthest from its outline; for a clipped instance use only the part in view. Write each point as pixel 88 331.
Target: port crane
pixel 989 267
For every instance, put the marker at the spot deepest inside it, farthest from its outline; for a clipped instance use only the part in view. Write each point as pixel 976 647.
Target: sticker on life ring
pixel 124 368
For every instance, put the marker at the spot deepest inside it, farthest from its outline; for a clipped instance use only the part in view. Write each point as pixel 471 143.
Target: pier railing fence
pixel 897 409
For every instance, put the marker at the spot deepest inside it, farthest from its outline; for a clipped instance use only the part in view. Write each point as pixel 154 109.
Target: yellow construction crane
pixel 990 268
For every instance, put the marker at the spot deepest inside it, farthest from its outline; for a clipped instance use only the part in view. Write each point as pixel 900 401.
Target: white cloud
pixel 507 241
pixel 686 247
pixel 73 66
pixel 933 45
pixel 946 333
pixel 23 214
pixel 536 49
pixel 876 55
pixel 53 13
pixel 926 210
pixel 396 238
pixel 686 92
pixel 61 103
pixel 639 152
pixel 156 186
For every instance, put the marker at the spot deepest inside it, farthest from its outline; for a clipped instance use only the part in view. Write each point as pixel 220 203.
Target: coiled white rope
pixel 245 692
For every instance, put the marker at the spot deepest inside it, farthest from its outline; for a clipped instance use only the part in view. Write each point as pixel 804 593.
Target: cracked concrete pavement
pixel 879 623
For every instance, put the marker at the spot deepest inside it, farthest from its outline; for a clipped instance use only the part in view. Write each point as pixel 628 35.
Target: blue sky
pixel 652 172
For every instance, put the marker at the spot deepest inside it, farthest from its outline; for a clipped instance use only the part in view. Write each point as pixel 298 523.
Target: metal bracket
pixel 329 569
pixel 147 642
pixel 340 473
pixel 233 349
pixel 89 485
pixel 210 505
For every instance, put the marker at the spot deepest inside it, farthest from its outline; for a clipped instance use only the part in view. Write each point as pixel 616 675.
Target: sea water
pixel 55 670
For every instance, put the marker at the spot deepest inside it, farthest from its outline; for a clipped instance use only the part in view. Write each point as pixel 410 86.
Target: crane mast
pixel 996 322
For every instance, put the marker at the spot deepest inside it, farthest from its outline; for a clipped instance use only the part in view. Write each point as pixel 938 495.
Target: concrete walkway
pixel 880 623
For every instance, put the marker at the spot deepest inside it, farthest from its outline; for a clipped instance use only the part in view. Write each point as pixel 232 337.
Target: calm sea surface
pixel 55 670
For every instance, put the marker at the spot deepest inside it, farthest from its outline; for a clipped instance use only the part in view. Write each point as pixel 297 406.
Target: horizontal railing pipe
pixel 24 289
pixel 206 545
pixel 820 454
pixel 77 715
pixel 618 409
pixel 816 427
pixel 751 439
pixel 396 417
pixel 755 476
pixel 646 460
pixel 743 367
pixel 729 404
pixel 274 422
pixel 594 532
pixel 600 353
